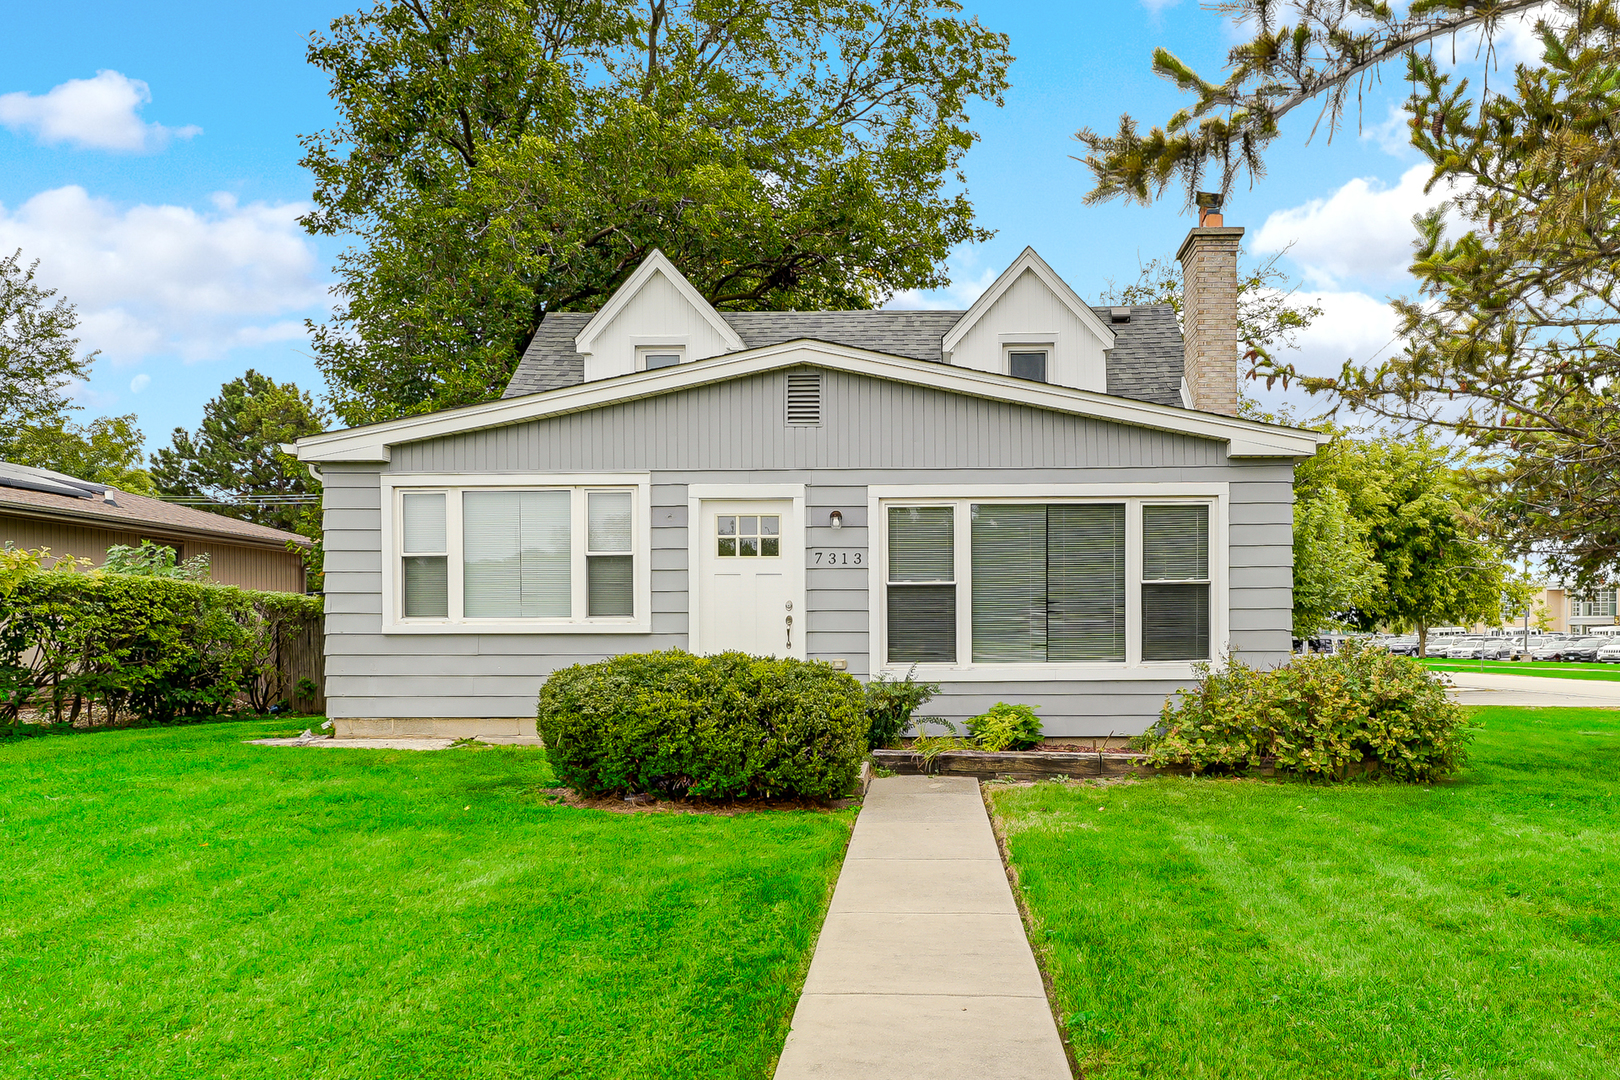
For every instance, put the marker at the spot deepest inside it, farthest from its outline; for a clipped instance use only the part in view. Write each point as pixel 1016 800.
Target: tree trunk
pixel 1423 639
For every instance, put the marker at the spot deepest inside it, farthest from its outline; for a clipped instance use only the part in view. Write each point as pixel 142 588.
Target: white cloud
pixel 139 383
pixel 1156 6
pixel 1362 232
pixel 99 113
pixel 170 279
pixel 1353 326
pixel 968 282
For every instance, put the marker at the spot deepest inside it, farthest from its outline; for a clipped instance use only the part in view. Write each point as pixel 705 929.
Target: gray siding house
pixel 1033 500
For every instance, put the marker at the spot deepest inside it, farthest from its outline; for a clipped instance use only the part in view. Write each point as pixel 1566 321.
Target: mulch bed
pixel 651 804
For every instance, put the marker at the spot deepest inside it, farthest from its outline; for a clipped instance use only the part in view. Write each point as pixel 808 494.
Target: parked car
pixel 1549 649
pixel 1405 645
pixel 1610 653
pixel 1578 649
pixel 1464 648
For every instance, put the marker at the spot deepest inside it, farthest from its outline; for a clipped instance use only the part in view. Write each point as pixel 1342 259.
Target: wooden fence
pixel 303 656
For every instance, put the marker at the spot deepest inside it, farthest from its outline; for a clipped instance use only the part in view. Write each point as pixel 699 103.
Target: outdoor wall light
pixel 836 519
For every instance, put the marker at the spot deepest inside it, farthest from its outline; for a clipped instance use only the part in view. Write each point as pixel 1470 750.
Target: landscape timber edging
pixel 1022 764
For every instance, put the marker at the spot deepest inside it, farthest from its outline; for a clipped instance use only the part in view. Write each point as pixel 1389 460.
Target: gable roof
pixel 1145 363
pixel 656 263
pixel 1028 261
pixel 1244 438
pixel 41 493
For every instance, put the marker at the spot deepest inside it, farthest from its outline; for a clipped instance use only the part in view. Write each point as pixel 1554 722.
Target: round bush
pixel 714 727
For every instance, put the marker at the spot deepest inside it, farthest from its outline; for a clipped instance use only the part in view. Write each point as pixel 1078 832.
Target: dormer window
pixel 1028 361
pixel 652 357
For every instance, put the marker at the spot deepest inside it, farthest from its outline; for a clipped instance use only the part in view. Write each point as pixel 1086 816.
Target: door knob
pixel 790 629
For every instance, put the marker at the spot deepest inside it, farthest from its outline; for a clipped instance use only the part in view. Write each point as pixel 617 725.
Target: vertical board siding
pixel 872 432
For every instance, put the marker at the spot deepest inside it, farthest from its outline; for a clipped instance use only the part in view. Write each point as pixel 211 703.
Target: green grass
pixel 1542 668
pixel 1254 929
pixel 175 904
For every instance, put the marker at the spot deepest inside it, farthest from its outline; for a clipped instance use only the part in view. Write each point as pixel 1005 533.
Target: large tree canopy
pixel 1512 342
pixel 500 159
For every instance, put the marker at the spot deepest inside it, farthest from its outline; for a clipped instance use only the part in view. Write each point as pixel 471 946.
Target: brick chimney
pixel 1209 309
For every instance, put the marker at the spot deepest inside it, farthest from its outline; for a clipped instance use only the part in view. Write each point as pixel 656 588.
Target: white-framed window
pixel 653 357
pixel 1599 604
pixel 516 554
pixel 1028 361
pixel 1081 581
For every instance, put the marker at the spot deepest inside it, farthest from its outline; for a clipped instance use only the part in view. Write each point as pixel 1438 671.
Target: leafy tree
pixel 1513 341
pixel 1335 572
pixel 155 560
pixel 1420 516
pixel 1268 315
pixel 39 356
pixel 108 450
pixel 235 458
pixel 502 159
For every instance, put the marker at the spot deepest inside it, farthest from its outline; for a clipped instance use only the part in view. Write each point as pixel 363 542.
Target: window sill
pixel 517 626
pixel 1154 671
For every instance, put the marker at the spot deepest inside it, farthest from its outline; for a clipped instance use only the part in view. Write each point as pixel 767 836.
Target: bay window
pixel 980 583
pixel 495 554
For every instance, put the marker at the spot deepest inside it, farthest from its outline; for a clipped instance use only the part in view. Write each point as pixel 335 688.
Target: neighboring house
pixel 40 508
pixel 1034 500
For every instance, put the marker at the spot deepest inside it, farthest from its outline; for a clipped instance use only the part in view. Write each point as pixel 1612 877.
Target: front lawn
pixel 1239 928
pixel 178 904
pixel 1542 668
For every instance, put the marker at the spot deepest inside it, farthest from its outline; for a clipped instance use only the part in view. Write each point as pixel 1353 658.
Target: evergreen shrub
pixel 714 727
pixel 1326 715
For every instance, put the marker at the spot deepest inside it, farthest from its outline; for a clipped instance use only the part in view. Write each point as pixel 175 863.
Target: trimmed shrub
pixel 713 727
pixel 1318 716
pixel 1006 727
pixel 152 648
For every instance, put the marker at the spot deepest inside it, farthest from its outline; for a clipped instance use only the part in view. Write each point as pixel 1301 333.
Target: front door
pixel 750 574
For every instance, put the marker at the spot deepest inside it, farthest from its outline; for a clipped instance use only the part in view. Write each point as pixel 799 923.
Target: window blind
pixel 1175 549
pixel 609 577
pixel 922 584
pixel 424 567
pixel 1048 583
pixel 516 561
pixel 1009 584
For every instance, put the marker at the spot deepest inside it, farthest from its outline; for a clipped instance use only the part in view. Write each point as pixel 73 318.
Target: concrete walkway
pixel 922 969
pixel 1487 688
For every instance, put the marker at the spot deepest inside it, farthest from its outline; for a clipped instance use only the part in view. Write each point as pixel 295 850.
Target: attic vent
pixel 804 398
pixel 1119 314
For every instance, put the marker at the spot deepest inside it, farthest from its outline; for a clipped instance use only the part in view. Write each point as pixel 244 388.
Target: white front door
pixel 750 577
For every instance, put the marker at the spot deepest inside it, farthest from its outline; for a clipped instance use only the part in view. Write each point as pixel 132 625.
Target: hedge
pixel 147 648
pixel 714 727
pixel 1324 715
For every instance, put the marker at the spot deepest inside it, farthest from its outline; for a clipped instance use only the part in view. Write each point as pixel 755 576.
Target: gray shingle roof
pixel 1145 363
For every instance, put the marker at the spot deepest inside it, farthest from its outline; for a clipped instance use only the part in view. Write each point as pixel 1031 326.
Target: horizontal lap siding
pixel 873 433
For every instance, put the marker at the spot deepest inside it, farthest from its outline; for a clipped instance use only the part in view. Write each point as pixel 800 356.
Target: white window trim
pixel 661 349
pixel 1011 343
pixel 1215 495
pixel 394 484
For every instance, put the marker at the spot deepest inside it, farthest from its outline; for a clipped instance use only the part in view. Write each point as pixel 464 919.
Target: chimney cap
pixel 1208 200
pixel 1119 315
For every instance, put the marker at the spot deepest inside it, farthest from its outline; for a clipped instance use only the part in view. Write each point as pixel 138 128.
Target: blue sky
pixel 150 163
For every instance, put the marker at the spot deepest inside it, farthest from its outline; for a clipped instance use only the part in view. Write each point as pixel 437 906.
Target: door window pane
pixel 921 604
pixel 516 560
pixel 752 535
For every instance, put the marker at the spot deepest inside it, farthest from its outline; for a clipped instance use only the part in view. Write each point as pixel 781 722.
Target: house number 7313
pixel 823 557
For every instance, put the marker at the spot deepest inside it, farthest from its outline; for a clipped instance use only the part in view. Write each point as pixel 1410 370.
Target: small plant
pixel 1006 727
pixel 890 704
pixel 930 747
pixel 305 687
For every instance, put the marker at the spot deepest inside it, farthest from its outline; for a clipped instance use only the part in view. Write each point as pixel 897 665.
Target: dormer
pixel 1031 325
pixel 655 319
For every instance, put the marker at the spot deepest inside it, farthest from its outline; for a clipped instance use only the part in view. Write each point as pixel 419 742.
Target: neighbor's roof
pixel 1145 363
pixel 43 493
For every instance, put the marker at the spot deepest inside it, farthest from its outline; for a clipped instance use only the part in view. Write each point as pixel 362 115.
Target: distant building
pixel 40 508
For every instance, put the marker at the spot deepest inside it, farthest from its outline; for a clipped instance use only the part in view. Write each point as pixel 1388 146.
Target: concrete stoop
pixel 433 727
pixel 922 969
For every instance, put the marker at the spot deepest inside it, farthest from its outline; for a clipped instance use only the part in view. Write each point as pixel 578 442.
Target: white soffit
pixel 1244 438
pixel 655 263
pixel 1027 260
